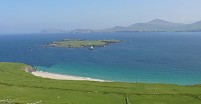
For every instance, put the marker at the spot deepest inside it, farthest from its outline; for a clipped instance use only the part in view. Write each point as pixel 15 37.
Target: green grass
pixel 19 87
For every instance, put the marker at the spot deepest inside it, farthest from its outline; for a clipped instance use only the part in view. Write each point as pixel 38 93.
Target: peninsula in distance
pixel 156 25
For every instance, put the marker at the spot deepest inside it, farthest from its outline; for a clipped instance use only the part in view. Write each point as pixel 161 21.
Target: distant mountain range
pixel 156 25
pixel 51 30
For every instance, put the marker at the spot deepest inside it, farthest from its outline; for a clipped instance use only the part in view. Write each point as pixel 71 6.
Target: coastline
pixel 63 77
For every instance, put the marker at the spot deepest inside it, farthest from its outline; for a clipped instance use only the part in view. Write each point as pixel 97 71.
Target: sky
pixel 31 16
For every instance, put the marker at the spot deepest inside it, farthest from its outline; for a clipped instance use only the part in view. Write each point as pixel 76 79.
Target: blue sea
pixel 173 58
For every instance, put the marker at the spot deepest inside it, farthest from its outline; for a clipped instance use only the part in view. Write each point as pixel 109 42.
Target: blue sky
pixel 30 16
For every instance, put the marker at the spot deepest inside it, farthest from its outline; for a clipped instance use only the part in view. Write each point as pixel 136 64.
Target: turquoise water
pixel 143 57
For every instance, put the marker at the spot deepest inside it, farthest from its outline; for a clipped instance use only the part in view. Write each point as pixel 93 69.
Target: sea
pixel 158 57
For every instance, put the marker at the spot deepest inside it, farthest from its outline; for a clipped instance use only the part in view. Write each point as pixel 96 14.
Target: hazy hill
pixel 81 31
pixel 52 30
pixel 156 25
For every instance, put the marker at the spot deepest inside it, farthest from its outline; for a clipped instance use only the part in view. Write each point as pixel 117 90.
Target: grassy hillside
pixel 19 87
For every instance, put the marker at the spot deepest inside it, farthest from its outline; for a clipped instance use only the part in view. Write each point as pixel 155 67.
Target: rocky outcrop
pixel 28 69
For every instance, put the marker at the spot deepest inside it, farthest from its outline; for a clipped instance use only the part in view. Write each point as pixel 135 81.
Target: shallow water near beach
pixel 142 57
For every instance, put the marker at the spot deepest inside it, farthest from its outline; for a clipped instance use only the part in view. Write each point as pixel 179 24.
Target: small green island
pixel 80 43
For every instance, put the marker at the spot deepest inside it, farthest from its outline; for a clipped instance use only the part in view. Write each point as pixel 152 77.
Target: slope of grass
pixel 19 87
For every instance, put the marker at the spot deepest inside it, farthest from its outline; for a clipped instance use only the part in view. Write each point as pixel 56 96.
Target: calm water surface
pixel 143 57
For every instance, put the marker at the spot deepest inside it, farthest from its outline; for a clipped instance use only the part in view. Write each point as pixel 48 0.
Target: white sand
pixel 63 77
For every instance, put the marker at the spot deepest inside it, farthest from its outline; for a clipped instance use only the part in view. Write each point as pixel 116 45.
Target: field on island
pixel 19 87
pixel 70 43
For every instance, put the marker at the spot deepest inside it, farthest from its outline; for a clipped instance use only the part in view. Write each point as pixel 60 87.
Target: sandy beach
pixel 62 77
